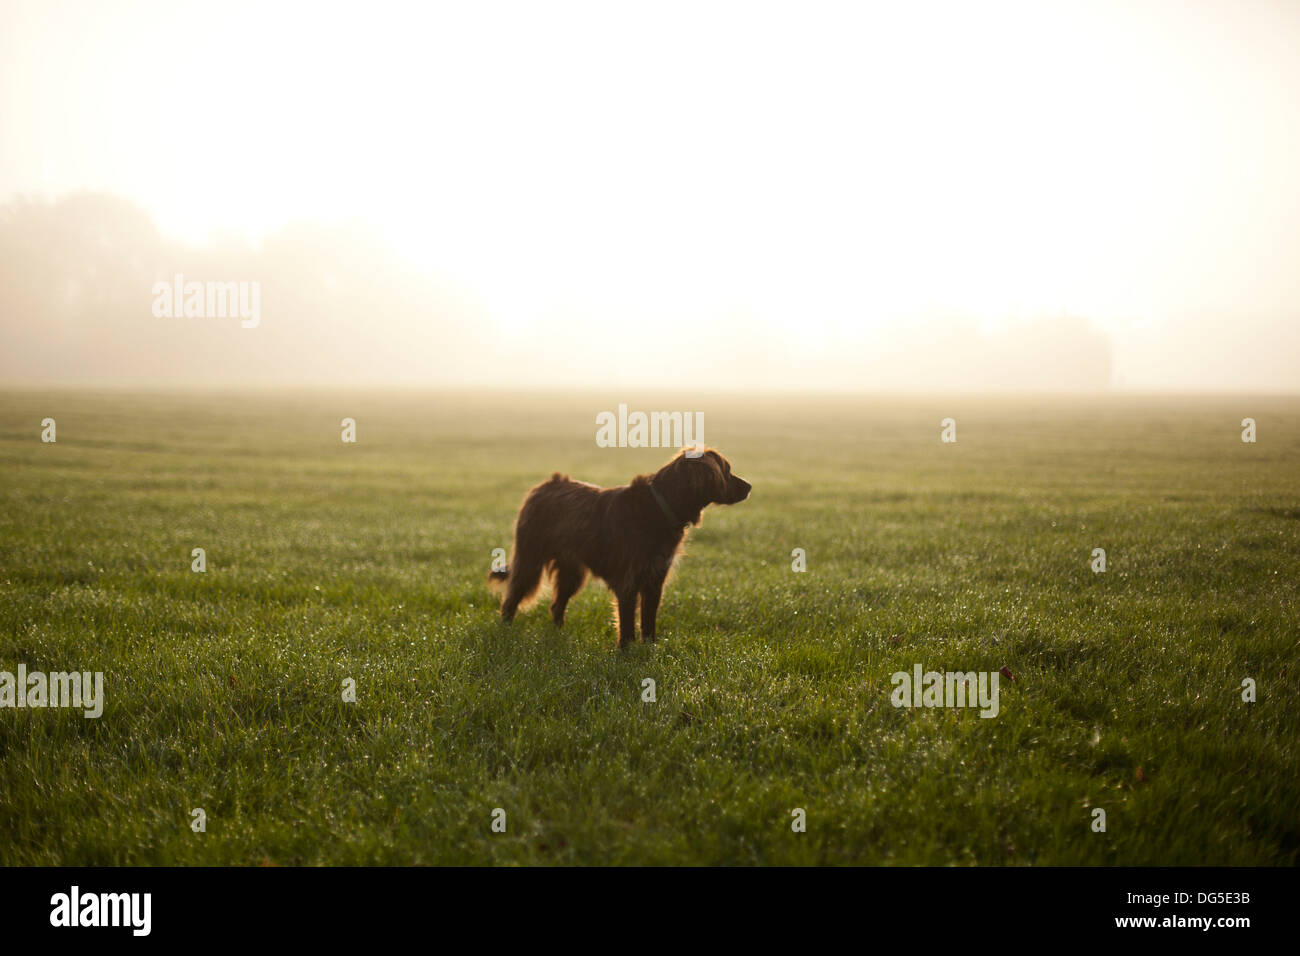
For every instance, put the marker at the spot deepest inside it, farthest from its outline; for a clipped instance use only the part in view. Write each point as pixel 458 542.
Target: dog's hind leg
pixel 569 579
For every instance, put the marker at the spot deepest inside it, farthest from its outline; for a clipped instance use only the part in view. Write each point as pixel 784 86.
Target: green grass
pixel 328 561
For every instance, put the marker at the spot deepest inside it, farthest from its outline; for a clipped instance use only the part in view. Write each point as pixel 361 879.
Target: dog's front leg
pixel 650 595
pixel 626 618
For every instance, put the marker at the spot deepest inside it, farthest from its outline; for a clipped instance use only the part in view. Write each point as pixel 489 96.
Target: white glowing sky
pixel 832 165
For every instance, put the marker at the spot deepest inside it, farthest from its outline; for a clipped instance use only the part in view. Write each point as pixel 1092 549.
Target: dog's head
pixel 697 478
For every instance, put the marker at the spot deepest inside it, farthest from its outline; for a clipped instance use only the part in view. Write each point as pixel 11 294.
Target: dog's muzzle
pixel 739 490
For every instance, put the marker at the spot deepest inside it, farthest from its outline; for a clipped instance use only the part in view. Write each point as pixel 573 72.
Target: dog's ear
pixel 689 483
pixel 703 472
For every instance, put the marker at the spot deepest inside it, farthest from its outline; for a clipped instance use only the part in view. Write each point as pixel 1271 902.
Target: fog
pixel 1011 196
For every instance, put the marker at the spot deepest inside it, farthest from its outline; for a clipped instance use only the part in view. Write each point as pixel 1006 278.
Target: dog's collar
pixel 665 507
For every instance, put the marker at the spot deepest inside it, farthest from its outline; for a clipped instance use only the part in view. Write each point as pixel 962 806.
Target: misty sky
pixel 813 192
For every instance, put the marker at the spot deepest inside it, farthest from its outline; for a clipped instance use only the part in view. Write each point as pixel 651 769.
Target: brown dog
pixel 627 536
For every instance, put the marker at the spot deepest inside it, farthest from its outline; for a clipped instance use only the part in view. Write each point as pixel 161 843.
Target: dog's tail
pixel 497 580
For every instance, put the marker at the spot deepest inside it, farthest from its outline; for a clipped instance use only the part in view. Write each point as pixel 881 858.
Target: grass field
pixel 329 561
